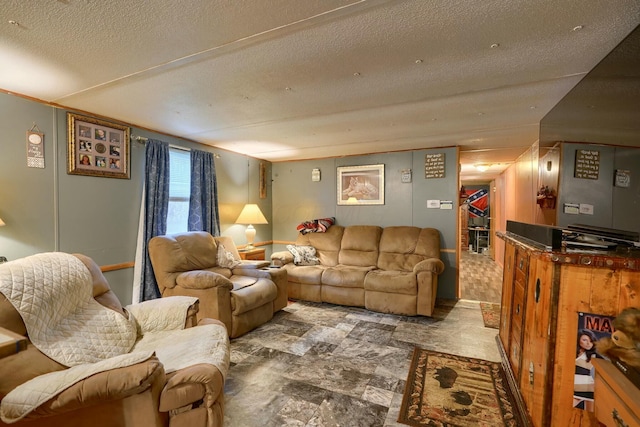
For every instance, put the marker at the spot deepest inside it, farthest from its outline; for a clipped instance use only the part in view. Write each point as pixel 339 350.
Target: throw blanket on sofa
pixel 53 292
pixel 316 225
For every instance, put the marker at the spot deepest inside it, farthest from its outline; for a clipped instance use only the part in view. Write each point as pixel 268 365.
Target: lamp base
pixel 251 234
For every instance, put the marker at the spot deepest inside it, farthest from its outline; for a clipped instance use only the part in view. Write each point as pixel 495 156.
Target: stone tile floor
pixel 325 365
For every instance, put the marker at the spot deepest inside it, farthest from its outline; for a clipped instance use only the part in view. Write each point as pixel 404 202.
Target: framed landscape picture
pixel 97 147
pixel 361 185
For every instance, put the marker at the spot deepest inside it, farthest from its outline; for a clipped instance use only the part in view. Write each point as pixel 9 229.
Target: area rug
pixel 490 314
pixel 444 390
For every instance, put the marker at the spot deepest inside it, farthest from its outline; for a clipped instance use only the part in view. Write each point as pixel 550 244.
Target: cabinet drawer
pixel 522 262
pixel 617 399
pixel 610 409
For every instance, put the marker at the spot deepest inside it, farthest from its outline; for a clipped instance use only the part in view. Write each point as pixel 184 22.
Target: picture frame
pixel 360 185
pixel 97 147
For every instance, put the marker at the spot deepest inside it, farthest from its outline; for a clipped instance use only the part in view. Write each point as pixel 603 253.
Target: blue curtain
pixel 203 202
pixel 156 184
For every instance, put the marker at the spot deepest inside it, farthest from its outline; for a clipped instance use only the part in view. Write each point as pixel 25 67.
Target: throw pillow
pixel 226 258
pixel 303 255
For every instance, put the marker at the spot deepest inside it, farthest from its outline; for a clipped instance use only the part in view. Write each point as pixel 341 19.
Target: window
pixel 179 190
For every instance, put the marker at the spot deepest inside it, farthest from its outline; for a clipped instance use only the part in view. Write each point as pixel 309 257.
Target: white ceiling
pixel 299 79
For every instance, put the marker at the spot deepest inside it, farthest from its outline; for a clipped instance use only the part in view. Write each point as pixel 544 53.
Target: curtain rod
pixel 143 140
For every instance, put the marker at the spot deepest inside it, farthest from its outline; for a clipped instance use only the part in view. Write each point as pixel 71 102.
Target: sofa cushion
pixel 345 276
pixel 359 246
pixel 173 254
pixel 327 244
pixel 393 282
pixel 305 274
pixel 303 255
pixel 240 282
pixel 397 248
pixel 402 247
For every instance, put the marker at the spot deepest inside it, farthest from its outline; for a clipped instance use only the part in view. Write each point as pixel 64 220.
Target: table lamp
pixel 251 214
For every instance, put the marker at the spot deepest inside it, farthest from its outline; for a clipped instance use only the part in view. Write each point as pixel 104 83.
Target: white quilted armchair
pixel 91 362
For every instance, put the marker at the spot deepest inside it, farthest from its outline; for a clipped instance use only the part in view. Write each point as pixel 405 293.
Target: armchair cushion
pixel 202 279
pixel 162 314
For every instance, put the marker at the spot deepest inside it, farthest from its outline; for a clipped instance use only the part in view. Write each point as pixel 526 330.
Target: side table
pixel 11 343
pixel 255 254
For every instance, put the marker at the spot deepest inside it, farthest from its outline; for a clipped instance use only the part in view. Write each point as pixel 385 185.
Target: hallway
pixel 480 278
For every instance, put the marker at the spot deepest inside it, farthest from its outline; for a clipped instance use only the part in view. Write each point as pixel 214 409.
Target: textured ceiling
pixel 289 79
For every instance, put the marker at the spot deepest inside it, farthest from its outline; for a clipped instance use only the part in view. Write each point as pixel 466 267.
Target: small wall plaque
pixel 35 148
pixel 623 178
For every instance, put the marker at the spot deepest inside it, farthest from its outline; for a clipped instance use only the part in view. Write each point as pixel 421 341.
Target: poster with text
pixel 591 327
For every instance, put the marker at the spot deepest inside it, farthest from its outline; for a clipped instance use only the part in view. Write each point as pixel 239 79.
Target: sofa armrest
pixel 114 384
pixel 281 258
pixel 164 314
pixel 202 279
pixel 197 383
pixel 433 265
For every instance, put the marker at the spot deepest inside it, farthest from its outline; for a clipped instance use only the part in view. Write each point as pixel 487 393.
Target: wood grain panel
pixel 629 290
pixel 536 354
pixel 507 295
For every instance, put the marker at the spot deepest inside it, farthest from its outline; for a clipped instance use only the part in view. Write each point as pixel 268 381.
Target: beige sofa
pixel 243 296
pixel 389 270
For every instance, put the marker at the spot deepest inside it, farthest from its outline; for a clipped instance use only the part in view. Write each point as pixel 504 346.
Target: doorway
pixel 480 277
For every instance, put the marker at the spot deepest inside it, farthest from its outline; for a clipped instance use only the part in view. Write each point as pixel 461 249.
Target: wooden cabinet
pixel 542 294
pixel 255 254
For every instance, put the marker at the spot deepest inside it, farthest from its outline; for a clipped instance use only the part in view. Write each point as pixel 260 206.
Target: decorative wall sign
pixel 587 164
pixel 361 185
pixel 434 165
pixel 35 148
pixel 97 147
pixel 623 178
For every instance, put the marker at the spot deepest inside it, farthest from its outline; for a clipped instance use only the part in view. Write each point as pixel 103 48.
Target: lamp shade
pixel 251 214
pixel 1 222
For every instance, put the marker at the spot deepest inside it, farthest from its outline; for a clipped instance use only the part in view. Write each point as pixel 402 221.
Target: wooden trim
pixel 114 267
pixel 283 242
pixel 268 242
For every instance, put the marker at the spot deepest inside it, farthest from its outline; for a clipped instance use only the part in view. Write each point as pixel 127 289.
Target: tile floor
pixel 324 365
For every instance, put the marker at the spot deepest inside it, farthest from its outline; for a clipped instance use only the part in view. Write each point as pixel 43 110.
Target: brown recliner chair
pixel 141 394
pixel 243 295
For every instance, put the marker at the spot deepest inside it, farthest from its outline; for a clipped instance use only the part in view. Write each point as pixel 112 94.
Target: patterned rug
pixel 490 314
pixel 444 390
